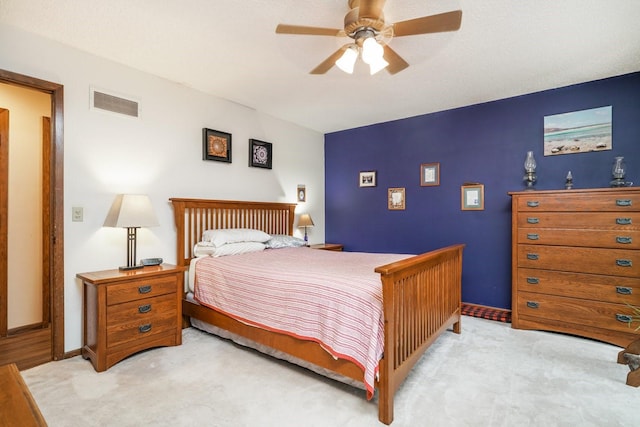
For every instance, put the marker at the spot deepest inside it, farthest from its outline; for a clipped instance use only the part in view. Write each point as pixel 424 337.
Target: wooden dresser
pixel 576 262
pixel 129 311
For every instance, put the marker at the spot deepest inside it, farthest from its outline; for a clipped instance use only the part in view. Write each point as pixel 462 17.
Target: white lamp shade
pixel 377 65
pixel 371 51
pixel 131 210
pixel 348 60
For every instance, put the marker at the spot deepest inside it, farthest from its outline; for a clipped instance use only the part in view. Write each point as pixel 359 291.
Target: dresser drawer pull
pixel 623 290
pixel 623 221
pixel 624 262
pixel 144 308
pixel 532 256
pixel 624 318
pixel 144 289
pixel 144 328
pixel 533 280
pixel 533 220
pixel 533 236
pixel 623 202
pixel 532 304
pixel 623 239
pixel 533 204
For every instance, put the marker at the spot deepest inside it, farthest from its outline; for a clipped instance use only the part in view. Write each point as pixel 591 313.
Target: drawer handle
pixel 533 236
pixel 533 220
pixel 532 304
pixel 532 256
pixel 624 290
pixel 623 221
pixel 144 308
pixel 144 289
pixel 533 204
pixel 623 202
pixel 624 318
pixel 144 328
pixel 623 239
pixel 533 280
pixel 624 262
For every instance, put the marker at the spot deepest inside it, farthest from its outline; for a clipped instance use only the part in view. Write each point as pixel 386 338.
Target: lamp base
pixel 130 267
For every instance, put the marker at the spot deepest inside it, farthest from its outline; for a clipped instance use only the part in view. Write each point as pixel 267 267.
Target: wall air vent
pixel 115 104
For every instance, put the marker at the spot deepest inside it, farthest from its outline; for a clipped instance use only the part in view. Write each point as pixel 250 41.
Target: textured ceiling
pixel 229 48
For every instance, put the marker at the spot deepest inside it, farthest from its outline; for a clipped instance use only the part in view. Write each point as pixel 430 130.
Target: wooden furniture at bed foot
pixel 328 246
pixel 575 262
pixel 17 407
pixel 129 311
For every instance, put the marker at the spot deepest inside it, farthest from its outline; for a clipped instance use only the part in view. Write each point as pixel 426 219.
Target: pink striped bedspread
pixel 332 298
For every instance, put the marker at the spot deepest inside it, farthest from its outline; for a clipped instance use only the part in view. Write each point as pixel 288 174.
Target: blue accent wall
pixel 484 143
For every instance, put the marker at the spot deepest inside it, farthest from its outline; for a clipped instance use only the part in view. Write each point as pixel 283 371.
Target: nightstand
pixel 328 246
pixel 129 311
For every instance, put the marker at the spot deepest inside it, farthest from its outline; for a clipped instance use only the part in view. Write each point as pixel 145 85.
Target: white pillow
pixel 207 249
pixel 278 241
pixel 234 235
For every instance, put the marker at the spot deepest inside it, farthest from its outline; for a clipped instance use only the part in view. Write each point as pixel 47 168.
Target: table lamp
pixel 131 211
pixel 305 221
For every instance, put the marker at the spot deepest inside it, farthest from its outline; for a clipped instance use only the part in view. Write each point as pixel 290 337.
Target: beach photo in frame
pixel 429 174
pixel 367 179
pixel 216 145
pixel 260 154
pixel 472 197
pixel 396 200
pixel 578 132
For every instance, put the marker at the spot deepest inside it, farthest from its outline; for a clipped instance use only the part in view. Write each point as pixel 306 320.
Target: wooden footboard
pixel 422 298
pixel 421 294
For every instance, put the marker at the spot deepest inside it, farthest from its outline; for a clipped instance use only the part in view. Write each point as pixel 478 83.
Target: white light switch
pixel 76 214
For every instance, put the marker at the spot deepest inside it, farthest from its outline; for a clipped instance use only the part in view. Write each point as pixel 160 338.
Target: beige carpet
pixel 490 375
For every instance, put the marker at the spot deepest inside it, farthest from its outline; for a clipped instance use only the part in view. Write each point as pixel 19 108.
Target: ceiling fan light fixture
pixel 377 65
pixel 348 59
pixel 371 50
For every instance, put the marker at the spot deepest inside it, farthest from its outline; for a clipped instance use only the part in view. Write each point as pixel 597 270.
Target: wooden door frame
pixel 55 205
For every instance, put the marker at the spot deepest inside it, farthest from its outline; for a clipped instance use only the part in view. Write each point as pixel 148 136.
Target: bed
pixel 421 295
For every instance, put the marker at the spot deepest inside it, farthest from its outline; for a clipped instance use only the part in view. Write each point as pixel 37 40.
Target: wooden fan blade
pixel 310 31
pixel 396 63
pixel 329 62
pixel 371 9
pixel 448 21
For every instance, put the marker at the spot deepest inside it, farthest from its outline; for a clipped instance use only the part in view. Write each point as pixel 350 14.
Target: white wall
pixel 158 154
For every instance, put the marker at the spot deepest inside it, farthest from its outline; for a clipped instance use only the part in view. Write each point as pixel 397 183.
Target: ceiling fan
pixel 365 24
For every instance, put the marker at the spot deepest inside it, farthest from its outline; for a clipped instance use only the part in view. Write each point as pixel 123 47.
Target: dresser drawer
pixel 620 290
pixel 616 262
pixel 628 221
pixel 142 328
pixel 572 310
pixel 620 239
pixel 596 202
pixel 139 289
pixel 140 310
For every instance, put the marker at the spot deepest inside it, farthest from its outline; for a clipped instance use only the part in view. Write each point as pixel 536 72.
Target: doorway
pixel 42 341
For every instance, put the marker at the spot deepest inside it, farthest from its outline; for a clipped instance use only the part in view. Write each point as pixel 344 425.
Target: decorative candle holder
pixel 618 171
pixel 568 184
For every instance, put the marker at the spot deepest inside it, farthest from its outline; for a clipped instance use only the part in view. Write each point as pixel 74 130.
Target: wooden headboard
pixel 194 216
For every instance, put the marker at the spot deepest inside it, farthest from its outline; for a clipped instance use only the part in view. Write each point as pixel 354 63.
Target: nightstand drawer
pixel 139 289
pixel 141 329
pixel 141 310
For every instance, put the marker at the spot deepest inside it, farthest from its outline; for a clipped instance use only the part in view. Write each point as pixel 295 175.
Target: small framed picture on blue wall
pixel 472 197
pixel 368 179
pixel 429 174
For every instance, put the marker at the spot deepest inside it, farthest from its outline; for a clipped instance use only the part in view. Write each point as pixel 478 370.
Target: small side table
pixel 328 246
pixel 129 311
